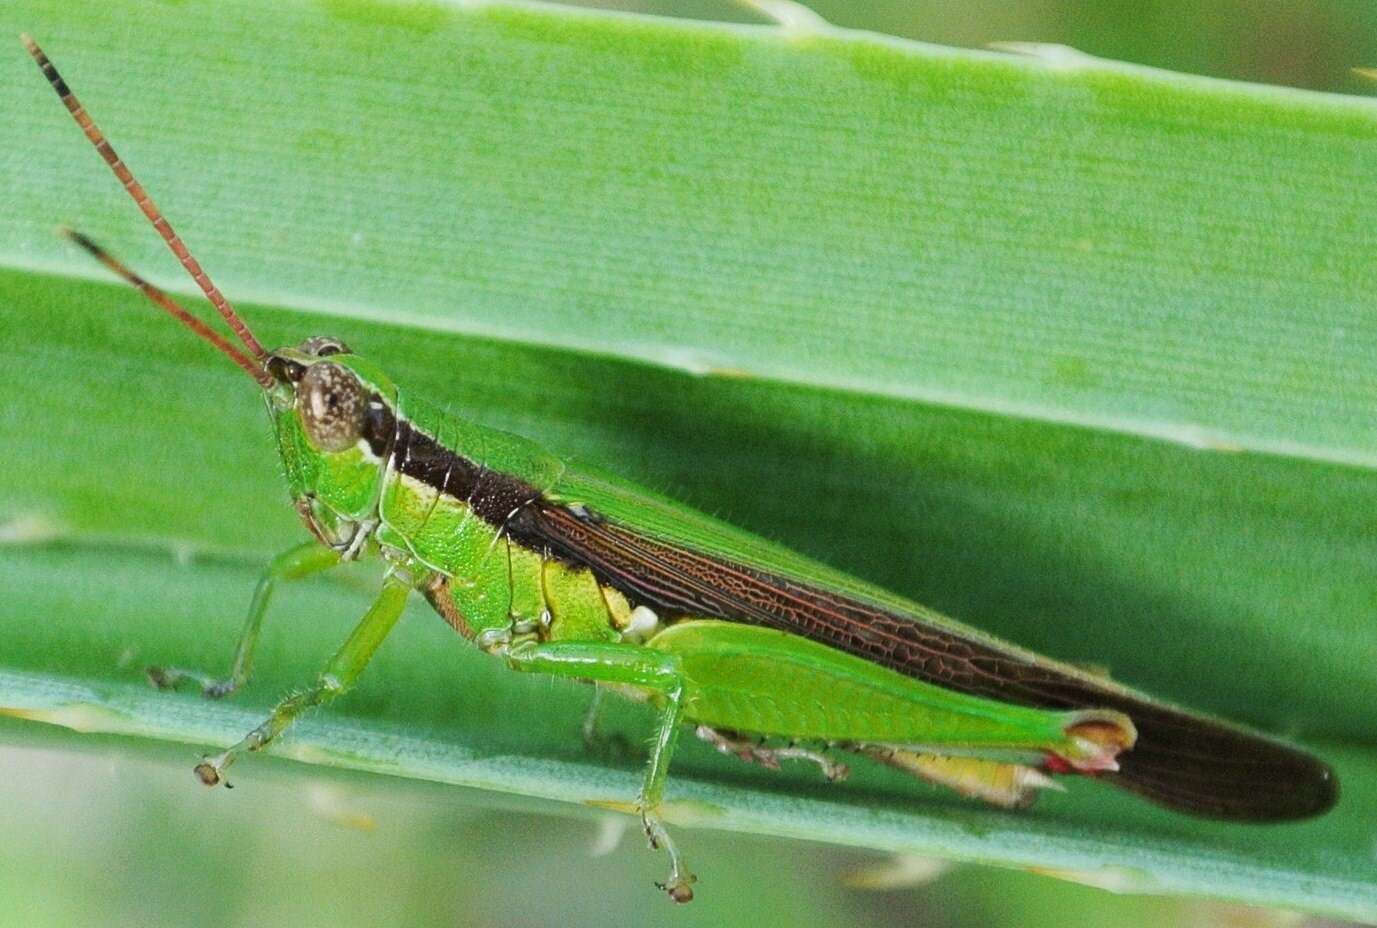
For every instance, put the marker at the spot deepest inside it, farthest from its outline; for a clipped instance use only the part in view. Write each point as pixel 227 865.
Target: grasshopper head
pixel 334 413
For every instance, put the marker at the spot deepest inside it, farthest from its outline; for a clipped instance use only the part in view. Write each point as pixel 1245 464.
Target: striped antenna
pixel 150 209
pixel 252 367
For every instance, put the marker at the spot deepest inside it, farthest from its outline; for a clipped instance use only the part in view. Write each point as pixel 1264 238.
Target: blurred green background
pixel 1299 43
pixel 91 833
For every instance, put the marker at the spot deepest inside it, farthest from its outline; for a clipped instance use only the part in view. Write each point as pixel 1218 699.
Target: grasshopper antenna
pixel 250 366
pixel 150 209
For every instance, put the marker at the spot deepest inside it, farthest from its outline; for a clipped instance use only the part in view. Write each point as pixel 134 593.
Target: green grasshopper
pixel 569 571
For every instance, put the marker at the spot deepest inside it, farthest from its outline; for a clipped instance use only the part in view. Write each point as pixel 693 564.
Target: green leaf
pixel 859 295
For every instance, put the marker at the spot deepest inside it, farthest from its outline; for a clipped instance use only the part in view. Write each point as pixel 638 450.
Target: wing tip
pixel 1289 786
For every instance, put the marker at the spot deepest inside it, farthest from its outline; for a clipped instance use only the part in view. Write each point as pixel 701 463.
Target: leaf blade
pixel 721 241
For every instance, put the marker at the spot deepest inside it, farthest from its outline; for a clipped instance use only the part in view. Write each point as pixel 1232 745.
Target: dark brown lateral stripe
pixel 1180 761
pixel 379 425
pixel 493 496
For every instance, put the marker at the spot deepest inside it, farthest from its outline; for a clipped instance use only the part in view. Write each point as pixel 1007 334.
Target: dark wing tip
pixel 1214 770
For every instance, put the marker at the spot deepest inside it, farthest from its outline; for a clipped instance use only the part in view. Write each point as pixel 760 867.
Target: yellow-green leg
pixel 337 677
pixel 637 666
pixel 293 564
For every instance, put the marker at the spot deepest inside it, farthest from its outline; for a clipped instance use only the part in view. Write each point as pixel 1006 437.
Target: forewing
pixel 683 563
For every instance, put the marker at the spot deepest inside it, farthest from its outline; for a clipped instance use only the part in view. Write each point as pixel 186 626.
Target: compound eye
pixel 331 403
pixel 285 370
pixel 322 346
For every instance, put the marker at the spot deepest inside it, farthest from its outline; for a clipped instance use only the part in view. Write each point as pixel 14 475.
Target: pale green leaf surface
pixel 1147 253
pixel 914 210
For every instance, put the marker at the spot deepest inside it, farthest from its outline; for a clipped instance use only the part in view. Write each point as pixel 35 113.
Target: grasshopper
pixel 767 655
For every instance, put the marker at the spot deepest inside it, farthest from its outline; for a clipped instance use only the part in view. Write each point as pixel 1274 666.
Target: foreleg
pixel 293 564
pixel 337 677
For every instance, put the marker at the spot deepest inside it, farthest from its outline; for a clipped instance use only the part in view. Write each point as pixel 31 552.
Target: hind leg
pixel 754 751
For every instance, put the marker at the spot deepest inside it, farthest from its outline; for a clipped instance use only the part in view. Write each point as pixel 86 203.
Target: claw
pixel 679 886
pixel 211 772
pixel 680 889
pixel 168 678
pixel 218 689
